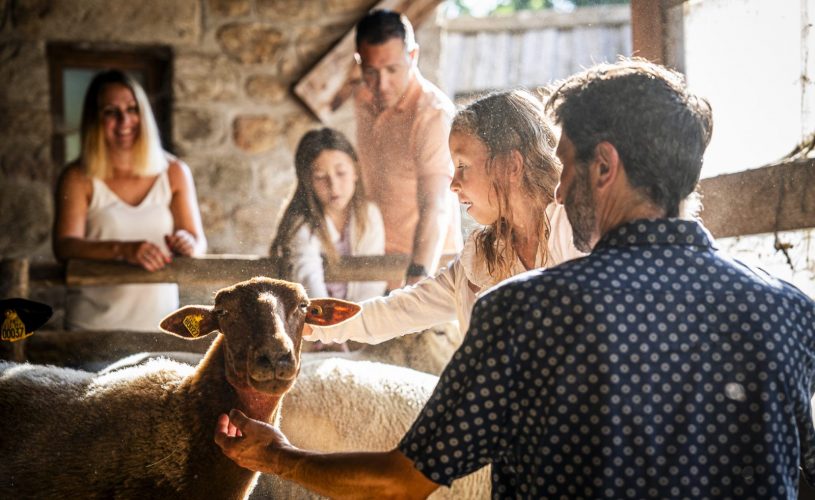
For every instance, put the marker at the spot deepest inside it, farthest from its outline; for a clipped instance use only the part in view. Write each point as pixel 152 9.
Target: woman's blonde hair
pixel 148 156
pixel 304 207
pixel 504 122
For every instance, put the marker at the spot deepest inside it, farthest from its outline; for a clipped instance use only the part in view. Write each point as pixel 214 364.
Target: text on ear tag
pixel 193 324
pixel 13 328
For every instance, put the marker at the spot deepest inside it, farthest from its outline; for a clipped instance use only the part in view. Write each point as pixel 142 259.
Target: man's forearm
pixel 354 475
pixel 434 219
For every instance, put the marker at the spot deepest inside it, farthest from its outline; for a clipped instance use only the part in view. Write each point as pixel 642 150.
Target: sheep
pixel 427 351
pixel 344 405
pixel 146 431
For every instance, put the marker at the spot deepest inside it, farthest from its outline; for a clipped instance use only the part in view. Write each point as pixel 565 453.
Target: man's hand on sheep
pixel 250 443
pixel 261 447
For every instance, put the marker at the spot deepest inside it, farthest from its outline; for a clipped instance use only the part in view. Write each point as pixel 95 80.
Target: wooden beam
pixel 537 20
pixel 227 269
pixel 330 82
pixel 774 198
pixel 647 30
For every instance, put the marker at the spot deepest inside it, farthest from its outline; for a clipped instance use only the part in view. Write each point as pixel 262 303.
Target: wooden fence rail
pixel 195 271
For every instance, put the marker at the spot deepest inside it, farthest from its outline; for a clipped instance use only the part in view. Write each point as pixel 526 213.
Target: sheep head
pixel 261 321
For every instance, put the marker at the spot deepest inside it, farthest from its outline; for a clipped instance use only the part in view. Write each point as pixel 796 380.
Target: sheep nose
pixel 267 367
pixel 286 368
pixel 263 362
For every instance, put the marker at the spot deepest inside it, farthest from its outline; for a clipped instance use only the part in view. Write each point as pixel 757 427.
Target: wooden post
pixel 13 283
pixel 646 30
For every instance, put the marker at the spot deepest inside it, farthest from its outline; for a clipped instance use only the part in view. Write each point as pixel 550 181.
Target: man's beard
pixel 580 208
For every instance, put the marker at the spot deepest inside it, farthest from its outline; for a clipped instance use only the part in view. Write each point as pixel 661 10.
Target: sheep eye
pixel 303 306
pixel 219 313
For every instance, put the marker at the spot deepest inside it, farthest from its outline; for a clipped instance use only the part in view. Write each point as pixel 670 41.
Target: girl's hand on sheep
pixel 146 254
pixel 250 443
pixel 182 242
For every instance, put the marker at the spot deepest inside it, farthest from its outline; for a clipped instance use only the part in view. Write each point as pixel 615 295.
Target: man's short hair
pixel 659 128
pixel 381 25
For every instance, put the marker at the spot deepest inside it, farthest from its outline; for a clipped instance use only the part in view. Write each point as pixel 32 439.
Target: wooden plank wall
pixel 529 49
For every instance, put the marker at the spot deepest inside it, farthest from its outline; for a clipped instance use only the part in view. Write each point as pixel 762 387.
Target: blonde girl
pixel 506 171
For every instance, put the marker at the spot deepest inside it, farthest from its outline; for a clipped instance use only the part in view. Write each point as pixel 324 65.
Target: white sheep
pixel 427 351
pixel 146 431
pixel 343 405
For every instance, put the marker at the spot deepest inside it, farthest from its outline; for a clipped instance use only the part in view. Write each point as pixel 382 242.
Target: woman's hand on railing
pixel 145 254
pixel 182 242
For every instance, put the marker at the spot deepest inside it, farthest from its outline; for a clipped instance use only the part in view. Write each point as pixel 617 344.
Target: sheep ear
pixel 325 312
pixel 20 317
pixel 190 322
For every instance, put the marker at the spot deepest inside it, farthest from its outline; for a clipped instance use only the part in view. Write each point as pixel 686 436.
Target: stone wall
pixel 235 119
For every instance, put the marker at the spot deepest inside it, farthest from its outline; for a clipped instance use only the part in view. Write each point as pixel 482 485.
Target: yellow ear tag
pixel 193 324
pixel 13 327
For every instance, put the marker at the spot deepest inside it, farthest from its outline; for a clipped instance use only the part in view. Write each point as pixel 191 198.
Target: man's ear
pixel 607 161
pixel 326 312
pixel 413 55
pixel 190 322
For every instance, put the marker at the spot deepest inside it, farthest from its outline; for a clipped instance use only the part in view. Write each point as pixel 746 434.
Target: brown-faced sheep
pixel 146 431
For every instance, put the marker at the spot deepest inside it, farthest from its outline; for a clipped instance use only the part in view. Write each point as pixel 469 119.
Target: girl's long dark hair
pixel 304 207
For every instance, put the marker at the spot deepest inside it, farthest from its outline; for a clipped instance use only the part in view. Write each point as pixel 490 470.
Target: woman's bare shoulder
pixel 177 171
pixel 74 175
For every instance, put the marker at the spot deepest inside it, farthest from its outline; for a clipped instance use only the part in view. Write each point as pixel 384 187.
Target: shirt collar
pixel 411 93
pixel 658 232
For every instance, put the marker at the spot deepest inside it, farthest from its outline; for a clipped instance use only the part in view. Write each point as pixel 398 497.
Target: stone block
pixel 229 8
pixel 276 177
pixel 214 215
pixel 23 74
pixel 255 225
pixel 26 159
pixel 348 6
pixel 256 133
pixel 148 21
pixel 25 122
pixel 26 215
pixel 288 10
pixel 205 78
pixel 196 128
pixel 297 124
pixel 226 176
pixel 266 88
pixel 250 43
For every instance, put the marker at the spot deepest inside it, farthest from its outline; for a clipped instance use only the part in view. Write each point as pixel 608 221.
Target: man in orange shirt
pixel 403 122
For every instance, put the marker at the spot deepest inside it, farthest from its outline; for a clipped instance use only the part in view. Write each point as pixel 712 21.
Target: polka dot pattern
pixel 654 367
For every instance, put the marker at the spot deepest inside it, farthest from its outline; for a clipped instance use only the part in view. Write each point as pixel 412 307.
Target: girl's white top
pixel 125 307
pixel 306 254
pixel 443 297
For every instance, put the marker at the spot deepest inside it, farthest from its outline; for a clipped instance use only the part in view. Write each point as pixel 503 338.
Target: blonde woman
pixel 124 199
pixel 506 171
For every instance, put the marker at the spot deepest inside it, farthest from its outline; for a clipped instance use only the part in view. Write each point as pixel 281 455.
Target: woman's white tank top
pixel 125 307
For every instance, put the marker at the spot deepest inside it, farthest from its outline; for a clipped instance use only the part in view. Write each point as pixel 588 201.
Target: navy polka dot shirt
pixel 654 367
